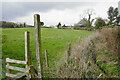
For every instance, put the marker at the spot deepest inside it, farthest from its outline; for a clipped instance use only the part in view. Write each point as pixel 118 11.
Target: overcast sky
pixel 53 11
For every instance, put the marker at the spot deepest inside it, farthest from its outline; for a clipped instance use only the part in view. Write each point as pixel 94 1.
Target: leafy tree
pixel 116 15
pixel 42 23
pixel 24 24
pixel 99 22
pixel 21 25
pixel 112 15
pixel 5 24
pixel 59 25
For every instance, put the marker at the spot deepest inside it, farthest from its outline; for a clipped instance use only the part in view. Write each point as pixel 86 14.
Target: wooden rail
pixel 18 75
pixel 8 60
pixel 17 68
pixel 47 63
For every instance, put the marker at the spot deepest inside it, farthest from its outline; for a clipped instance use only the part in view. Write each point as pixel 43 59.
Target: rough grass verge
pixel 93 56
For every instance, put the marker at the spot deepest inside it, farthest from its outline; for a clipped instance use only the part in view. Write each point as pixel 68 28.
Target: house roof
pixel 64 26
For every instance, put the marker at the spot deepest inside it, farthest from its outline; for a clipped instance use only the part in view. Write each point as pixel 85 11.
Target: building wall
pixel 119 11
pixel 119 7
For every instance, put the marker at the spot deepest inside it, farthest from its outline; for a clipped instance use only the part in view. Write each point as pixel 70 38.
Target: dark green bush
pixel 99 23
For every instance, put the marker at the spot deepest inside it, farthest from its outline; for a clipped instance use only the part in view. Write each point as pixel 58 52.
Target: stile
pixel 38 44
pixel 30 71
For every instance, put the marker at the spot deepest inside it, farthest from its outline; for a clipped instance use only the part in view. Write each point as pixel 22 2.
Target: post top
pixel 36 15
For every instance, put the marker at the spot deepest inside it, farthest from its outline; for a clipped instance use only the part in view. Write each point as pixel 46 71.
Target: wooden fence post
pixel 47 63
pixel 28 55
pixel 38 44
pixel 27 49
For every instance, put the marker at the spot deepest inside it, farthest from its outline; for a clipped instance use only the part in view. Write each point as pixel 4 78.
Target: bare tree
pixel 86 21
pixel 82 16
pixel 89 13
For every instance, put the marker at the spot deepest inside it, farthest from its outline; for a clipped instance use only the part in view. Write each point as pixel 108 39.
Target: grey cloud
pixel 12 10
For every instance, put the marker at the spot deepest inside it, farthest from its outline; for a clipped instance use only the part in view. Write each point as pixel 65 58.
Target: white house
pixel 119 7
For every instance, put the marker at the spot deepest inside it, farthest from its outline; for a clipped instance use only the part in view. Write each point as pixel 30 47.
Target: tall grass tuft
pixel 111 38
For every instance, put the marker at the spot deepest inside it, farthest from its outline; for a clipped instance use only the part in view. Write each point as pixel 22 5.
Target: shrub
pixel 99 23
pixel 76 26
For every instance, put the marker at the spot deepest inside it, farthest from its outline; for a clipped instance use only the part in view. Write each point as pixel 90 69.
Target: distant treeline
pixel 4 24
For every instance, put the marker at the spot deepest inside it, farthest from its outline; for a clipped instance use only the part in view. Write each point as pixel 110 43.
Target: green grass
pixel 53 40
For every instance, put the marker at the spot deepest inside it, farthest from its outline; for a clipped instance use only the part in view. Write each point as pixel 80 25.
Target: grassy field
pixel 54 40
